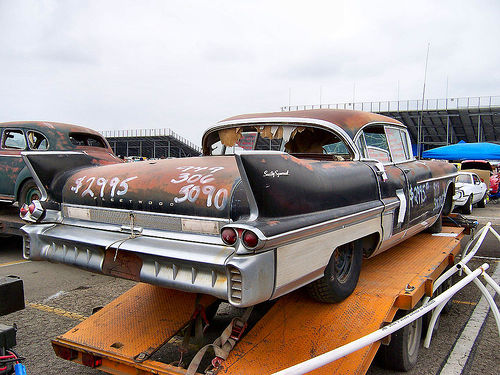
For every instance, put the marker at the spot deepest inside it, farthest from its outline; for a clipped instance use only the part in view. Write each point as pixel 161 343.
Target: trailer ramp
pixel 295 329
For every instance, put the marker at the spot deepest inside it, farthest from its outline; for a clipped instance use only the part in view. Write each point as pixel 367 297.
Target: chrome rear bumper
pixel 184 265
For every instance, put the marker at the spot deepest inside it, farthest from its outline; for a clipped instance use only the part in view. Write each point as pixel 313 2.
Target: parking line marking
pixel 465 302
pixel 58 311
pixel 14 262
pixel 463 346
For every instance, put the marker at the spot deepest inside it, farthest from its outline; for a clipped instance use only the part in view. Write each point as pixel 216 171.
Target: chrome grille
pixel 122 217
pixel 235 284
pixel 26 247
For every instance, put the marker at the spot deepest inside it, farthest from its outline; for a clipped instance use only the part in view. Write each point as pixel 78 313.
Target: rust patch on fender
pixel 301 162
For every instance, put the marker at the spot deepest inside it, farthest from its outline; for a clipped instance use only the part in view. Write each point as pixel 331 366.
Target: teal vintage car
pixel 16 182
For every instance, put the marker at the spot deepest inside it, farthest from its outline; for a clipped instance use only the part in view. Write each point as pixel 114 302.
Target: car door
pixel 11 163
pixel 478 189
pixel 394 193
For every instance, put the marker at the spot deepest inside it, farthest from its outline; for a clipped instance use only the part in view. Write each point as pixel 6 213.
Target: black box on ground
pixel 11 295
pixel 7 336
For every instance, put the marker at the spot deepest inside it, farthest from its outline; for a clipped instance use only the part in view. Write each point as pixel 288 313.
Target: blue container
pixel 20 369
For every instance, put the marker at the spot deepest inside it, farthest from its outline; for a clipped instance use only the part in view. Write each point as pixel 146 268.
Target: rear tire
pixel 340 277
pixel 467 208
pixel 402 352
pixel 29 192
pixel 482 202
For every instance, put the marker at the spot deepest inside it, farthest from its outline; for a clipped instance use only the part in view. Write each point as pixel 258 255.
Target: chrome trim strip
pixel 254 209
pixel 52 152
pixel 452 175
pixel 392 205
pixel 11 156
pixel 311 230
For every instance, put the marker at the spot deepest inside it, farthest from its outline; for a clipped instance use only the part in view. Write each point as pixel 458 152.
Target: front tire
pixel 340 277
pixel 29 192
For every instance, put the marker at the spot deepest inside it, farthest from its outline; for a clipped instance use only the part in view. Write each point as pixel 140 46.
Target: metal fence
pixel 134 133
pixel 407 105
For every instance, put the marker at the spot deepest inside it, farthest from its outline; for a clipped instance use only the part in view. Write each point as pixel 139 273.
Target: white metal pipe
pixel 495 233
pixel 434 317
pixel 344 350
pixel 484 291
pixel 488 297
pixel 492 282
pixel 478 244
pixel 462 264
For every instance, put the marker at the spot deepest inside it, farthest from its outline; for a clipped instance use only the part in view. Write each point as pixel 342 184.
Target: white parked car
pixel 469 190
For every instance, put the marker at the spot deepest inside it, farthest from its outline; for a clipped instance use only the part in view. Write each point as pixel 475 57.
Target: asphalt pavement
pixel 58 297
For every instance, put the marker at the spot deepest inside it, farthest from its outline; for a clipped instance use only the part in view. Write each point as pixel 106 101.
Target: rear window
pixel 464 178
pixel 482 165
pixel 83 139
pixel 293 139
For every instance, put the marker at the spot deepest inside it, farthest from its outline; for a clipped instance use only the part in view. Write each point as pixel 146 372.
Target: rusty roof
pixel 40 125
pixel 349 120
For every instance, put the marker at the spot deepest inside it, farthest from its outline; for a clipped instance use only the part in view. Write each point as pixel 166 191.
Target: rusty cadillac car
pixel 277 202
pixel 17 183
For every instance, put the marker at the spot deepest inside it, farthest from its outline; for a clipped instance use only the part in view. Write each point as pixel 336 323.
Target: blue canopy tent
pixel 465 151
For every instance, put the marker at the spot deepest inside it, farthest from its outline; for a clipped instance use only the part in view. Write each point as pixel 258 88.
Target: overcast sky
pixel 188 64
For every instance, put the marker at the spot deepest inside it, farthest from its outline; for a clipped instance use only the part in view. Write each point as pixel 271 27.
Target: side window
pixel 13 139
pixel 397 146
pixel 376 144
pixel 83 139
pixel 37 141
pixel 95 142
pixel 476 179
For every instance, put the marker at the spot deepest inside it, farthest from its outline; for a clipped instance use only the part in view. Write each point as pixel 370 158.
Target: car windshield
pixel 464 178
pixel 296 140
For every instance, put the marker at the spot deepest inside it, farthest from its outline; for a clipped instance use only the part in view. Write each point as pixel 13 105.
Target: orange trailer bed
pixel 293 330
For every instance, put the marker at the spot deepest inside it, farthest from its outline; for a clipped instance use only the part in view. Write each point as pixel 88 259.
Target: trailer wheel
pixel 340 277
pixel 443 287
pixel 467 208
pixel 402 352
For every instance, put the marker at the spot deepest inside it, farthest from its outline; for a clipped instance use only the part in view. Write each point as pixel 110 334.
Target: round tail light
pixel 229 236
pixel 23 210
pixel 31 207
pixel 250 239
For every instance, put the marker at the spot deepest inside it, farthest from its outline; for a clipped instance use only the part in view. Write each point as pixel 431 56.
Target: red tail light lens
pixel 91 360
pixel 229 236
pixel 23 210
pixel 31 207
pixel 250 239
pixel 65 353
